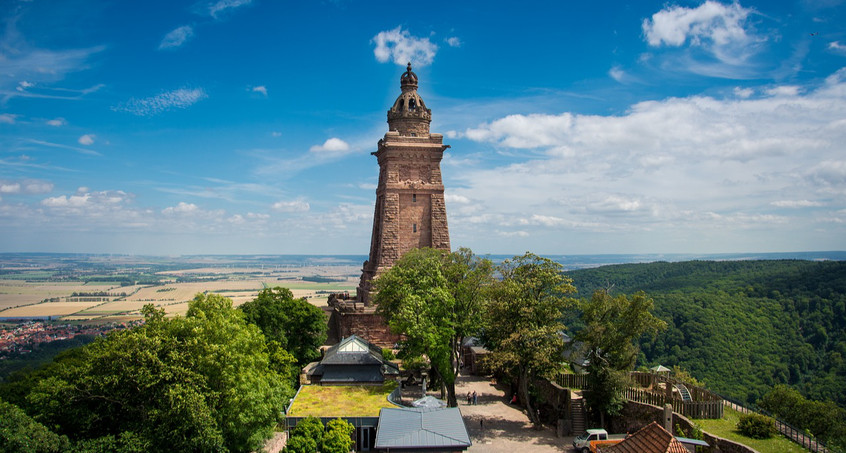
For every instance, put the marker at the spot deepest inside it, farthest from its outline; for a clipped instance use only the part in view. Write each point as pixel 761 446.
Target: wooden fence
pixel 690 409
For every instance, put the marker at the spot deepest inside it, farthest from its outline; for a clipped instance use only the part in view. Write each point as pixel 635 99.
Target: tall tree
pixel 523 327
pixel 434 298
pixel 298 326
pixel 612 327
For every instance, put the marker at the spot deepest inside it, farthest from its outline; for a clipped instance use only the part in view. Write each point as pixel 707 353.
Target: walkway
pixel 506 428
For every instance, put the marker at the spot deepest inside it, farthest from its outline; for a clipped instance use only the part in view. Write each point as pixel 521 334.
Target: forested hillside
pixel 742 326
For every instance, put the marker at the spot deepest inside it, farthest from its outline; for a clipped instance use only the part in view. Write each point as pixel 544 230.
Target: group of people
pixel 472 398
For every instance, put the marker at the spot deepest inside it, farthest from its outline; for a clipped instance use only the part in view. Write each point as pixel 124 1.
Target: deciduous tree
pixel 523 325
pixel 434 298
pixel 612 327
pixel 298 326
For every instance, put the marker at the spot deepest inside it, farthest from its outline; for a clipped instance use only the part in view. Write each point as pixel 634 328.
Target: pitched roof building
pixel 352 361
pixel 652 438
pixel 422 429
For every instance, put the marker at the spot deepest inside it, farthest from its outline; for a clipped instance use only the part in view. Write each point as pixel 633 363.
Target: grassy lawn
pixel 341 400
pixel 726 428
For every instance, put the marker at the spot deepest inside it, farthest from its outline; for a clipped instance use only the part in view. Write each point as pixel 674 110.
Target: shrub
pixel 756 426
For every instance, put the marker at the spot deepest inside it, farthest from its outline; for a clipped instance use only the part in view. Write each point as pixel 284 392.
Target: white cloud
pixel 87 139
pixel 399 46
pixel 7 118
pixel 10 187
pixel 453 41
pixel 334 145
pixel 94 204
pixel 214 9
pixel 181 208
pixel 796 204
pixel 675 173
pixel 168 100
pixel 27 66
pixel 712 39
pixel 275 134
pixel 837 47
pixel 784 90
pixel 260 89
pixel 743 92
pixel 57 122
pixel 177 37
pixel 25 186
pixel 709 22
pixel 454 198
pixel 291 206
pixel 617 74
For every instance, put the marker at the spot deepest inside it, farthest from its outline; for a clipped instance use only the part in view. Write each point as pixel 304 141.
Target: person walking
pixel 475 398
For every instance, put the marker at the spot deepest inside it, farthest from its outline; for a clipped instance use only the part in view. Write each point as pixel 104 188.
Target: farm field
pixel 25 296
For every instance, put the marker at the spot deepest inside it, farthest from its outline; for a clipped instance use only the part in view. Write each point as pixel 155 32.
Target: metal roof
pixel 422 428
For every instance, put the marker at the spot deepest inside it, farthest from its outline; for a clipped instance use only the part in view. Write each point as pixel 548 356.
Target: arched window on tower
pixel 412 104
pixel 401 105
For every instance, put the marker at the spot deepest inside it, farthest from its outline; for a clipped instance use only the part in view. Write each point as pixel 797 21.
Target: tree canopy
pixel 199 382
pixel 523 327
pixel 612 327
pixel 296 325
pixel 434 298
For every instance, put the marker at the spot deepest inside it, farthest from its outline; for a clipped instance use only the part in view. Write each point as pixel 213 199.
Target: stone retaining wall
pixel 637 415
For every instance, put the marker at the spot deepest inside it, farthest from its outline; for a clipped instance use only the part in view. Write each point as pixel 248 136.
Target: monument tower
pixel 410 211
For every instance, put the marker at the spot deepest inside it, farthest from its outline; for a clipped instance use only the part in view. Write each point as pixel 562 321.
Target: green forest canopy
pixel 741 326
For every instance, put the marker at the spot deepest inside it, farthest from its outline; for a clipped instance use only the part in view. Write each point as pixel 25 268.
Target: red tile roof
pixel 650 439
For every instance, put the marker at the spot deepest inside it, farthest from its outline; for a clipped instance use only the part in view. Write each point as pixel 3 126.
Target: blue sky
pixel 238 126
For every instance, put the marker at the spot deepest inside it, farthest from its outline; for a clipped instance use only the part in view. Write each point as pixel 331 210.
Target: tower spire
pixel 409 115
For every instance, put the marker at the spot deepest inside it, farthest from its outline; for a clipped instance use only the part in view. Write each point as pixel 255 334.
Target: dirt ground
pixel 498 427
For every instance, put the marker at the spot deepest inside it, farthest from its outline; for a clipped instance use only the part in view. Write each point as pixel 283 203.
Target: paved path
pixel 506 428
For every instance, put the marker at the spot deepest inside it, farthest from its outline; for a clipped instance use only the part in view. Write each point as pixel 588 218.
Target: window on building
pixel 414 198
pixel 414 228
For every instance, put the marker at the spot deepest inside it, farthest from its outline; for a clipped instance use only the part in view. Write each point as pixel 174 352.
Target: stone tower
pixel 410 211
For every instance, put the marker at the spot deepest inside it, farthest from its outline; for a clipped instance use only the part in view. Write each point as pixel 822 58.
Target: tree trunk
pixel 523 391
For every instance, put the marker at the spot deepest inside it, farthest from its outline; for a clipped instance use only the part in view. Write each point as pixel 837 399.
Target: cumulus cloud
pixel 25 186
pixel 57 122
pixel 87 203
pixel 837 47
pixel 181 208
pixel 260 89
pixel 87 139
pixel 716 40
pixel 176 99
pixel 676 169
pixel 177 37
pixel 401 47
pixel 333 145
pixel 708 22
pixel 291 206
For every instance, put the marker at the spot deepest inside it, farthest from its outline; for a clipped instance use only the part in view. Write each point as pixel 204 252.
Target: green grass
pixel 727 429
pixel 341 400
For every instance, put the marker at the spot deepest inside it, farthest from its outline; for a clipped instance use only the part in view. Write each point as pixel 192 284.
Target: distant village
pixel 25 337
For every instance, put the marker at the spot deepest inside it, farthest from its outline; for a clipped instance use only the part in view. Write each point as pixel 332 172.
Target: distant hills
pixel 742 326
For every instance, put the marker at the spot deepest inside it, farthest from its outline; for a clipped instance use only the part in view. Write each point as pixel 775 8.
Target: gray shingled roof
pixel 416 428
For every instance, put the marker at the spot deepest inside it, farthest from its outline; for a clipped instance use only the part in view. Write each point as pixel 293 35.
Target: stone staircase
pixel 577 413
